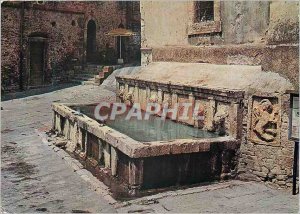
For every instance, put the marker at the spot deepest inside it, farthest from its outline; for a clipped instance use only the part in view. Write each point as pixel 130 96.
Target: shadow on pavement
pixel 36 91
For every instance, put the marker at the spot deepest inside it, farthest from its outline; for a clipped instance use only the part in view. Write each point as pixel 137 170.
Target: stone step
pixel 90 71
pixel 106 71
pixel 84 75
pixel 89 82
pixel 83 79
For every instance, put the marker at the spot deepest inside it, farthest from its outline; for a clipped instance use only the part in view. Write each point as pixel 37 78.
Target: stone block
pixel 114 161
pixel 107 155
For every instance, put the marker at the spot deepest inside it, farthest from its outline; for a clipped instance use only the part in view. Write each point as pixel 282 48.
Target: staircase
pixel 93 74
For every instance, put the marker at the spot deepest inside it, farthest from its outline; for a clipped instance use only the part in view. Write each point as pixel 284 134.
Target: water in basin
pixel 154 129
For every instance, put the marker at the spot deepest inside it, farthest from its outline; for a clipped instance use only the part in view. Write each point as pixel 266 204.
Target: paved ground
pixel 35 180
pixel 228 197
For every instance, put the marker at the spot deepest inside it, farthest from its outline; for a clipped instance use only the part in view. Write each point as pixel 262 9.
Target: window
pixel 204 17
pixel 204 11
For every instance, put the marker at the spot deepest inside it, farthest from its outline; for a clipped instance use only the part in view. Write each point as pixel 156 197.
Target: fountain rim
pixel 138 149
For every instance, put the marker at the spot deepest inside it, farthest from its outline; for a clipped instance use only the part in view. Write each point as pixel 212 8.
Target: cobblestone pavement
pixel 34 180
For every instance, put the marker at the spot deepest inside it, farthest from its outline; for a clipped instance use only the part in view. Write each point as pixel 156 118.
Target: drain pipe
pixel 21 54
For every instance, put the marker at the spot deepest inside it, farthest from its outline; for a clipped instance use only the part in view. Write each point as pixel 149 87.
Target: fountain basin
pixel 144 165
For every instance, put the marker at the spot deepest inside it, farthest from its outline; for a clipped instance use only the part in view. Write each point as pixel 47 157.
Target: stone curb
pixel 78 168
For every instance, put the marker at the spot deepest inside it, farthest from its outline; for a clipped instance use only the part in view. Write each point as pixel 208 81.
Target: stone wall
pixel 64 40
pixel 268 158
pixel 64 26
pixel 164 23
pixel 252 33
pixel 167 24
pixel 284 23
pixel 10 48
pixel 282 38
pixel 244 21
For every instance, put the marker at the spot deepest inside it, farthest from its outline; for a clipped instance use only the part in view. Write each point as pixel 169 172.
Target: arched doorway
pixel 91 41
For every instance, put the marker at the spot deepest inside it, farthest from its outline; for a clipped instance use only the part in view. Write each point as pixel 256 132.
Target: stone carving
pixel 265 118
pixel 129 97
pixel 218 123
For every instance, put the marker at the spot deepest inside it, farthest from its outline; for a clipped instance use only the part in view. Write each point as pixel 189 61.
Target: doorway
pixel 36 61
pixel 91 42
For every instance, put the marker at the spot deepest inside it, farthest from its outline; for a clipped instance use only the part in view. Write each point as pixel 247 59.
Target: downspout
pixel 21 53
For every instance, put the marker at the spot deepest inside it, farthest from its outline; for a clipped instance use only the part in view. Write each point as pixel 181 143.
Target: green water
pixel 153 129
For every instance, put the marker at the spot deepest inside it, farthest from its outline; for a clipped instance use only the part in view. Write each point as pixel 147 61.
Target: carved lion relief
pixel 264 120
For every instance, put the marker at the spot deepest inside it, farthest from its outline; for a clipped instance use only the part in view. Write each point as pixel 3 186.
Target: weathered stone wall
pixel 283 59
pixel 231 54
pixel 244 21
pixel 282 51
pixel 167 24
pixel 64 40
pixel 164 23
pixel 268 32
pixel 10 47
pixel 261 160
pixel 64 25
pixel 284 23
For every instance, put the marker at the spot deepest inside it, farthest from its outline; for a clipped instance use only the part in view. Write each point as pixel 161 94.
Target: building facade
pixel 42 40
pixel 235 32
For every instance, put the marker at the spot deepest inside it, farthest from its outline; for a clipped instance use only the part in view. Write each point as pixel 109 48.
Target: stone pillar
pixel 210 113
pixel 159 96
pixel 101 152
pixel 58 123
pixel 146 56
pixel 114 161
pixel 148 94
pixel 233 119
pixel 136 167
pixel 136 94
pixel 66 129
pixel 174 101
pixel 191 109
pixel 107 156
pixel 82 140
pixel 54 121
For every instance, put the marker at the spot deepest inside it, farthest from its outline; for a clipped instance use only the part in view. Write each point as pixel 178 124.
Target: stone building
pixel 236 32
pixel 262 34
pixel 42 40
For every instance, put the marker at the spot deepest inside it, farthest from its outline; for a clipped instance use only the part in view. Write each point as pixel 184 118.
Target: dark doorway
pixel 37 62
pixel 91 42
